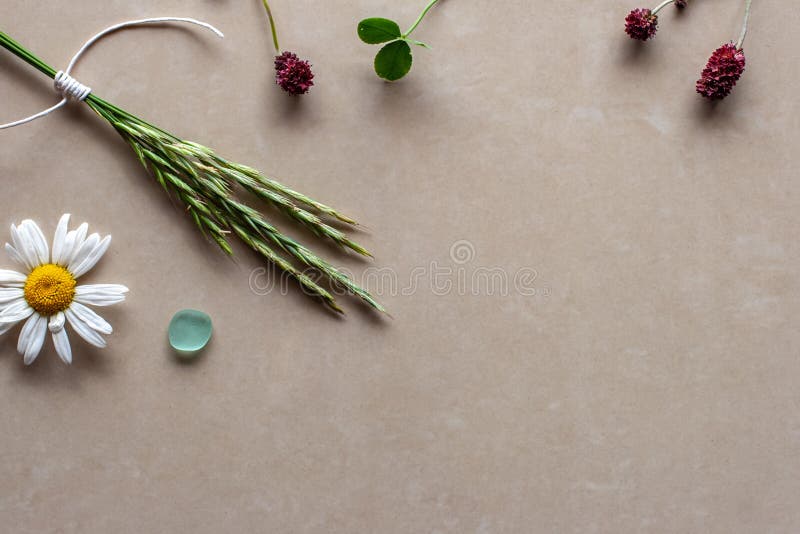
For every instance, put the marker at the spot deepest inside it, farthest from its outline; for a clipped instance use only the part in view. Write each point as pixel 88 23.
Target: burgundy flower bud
pixel 641 24
pixel 293 74
pixel 679 3
pixel 722 71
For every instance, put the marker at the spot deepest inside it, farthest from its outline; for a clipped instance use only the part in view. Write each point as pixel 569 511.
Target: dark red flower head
pixel 293 74
pixel 679 3
pixel 641 24
pixel 722 71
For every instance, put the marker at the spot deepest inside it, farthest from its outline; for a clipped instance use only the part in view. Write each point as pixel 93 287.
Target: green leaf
pixel 378 30
pixel 393 61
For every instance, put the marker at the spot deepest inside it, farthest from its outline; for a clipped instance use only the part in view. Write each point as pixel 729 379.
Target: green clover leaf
pixel 377 30
pixel 393 61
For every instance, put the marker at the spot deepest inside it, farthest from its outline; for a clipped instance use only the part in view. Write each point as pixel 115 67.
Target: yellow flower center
pixel 50 289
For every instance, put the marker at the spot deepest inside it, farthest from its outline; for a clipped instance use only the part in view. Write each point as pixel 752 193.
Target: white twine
pixel 71 89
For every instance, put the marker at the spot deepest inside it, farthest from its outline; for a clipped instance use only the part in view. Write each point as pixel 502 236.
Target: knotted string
pixel 71 89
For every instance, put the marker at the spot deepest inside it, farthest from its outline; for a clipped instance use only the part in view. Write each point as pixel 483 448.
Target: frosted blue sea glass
pixel 189 332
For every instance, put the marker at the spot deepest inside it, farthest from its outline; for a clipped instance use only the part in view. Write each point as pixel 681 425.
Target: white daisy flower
pixel 48 296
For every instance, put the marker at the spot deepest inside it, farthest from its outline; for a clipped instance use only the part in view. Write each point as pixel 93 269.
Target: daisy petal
pixel 91 319
pixel 93 257
pixel 63 348
pixel 37 240
pixel 66 249
pixel 60 339
pixel 72 243
pixel 26 251
pixel 26 332
pixel 12 278
pixel 15 255
pixel 59 238
pixel 15 312
pixel 83 330
pixel 10 294
pixel 82 252
pixel 5 327
pixel 57 322
pixel 100 294
pixel 31 338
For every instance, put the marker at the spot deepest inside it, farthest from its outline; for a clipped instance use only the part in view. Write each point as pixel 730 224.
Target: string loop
pixel 71 89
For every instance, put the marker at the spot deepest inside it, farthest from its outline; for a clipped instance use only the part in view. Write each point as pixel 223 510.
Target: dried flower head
pixel 723 70
pixel 641 24
pixel 293 74
pixel 680 4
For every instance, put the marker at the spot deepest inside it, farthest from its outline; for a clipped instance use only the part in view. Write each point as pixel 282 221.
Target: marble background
pixel 641 375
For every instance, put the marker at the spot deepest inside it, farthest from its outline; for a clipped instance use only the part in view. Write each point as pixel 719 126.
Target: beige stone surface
pixel 640 374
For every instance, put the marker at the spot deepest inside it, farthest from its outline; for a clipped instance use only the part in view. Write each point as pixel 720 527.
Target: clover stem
pixel 272 27
pixel 742 35
pixel 661 6
pixel 422 16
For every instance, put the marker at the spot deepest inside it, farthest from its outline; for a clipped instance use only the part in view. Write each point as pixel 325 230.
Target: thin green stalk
pixel 15 48
pixel 272 27
pixel 422 16
pixel 661 6
pixel 743 33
